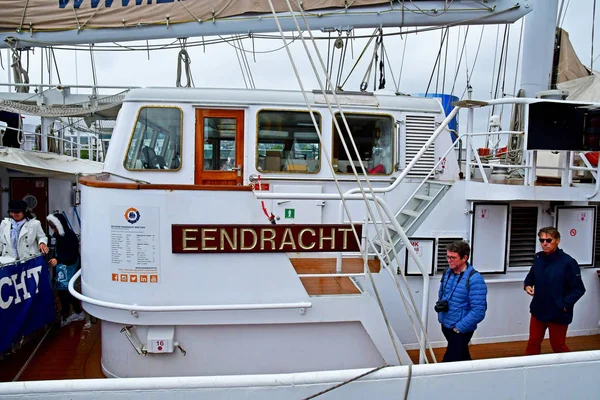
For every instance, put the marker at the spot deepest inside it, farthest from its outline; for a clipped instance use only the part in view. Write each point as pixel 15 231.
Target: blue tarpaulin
pixel 26 299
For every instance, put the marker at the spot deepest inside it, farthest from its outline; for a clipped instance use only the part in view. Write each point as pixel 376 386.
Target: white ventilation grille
pixel 419 129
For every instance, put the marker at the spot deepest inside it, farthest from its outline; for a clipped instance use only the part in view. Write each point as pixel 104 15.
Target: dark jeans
pixel 458 345
pixel 66 301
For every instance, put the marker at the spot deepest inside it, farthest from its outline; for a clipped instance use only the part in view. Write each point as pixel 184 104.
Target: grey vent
pixel 419 129
pixel 523 236
pixel 442 261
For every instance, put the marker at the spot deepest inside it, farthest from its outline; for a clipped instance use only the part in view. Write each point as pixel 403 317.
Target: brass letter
pixel 345 232
pixel 323 238
pixel 225 237
pixel 243 240
pixel 301 242
pixel 288 238
pixel 264 238
pixel 206 238
pixel 186 239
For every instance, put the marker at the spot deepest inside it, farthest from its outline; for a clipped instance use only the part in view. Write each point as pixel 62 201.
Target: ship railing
pixel 573 169
pixel 136 308
pixel 31 141
pixel 518 163
pixel 487 159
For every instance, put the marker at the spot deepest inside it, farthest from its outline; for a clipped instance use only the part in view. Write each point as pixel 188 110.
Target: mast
pixel 538 46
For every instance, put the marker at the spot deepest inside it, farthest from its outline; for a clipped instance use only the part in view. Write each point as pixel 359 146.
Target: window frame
pixel 334 135
pixel 153 141
pixel 257 153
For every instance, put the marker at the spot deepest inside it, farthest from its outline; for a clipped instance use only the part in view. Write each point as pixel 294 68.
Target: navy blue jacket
pixel 466 308
pixel 557 284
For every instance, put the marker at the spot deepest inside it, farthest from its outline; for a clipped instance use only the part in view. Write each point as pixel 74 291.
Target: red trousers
pixel 537 330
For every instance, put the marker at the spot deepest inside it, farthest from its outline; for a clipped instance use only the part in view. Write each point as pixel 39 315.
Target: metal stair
pixel 413 213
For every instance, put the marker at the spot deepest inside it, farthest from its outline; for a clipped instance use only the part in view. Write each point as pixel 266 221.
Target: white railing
pixel 134 308
pixel 30 140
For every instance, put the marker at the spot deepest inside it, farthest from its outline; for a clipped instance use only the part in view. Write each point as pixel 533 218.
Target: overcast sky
pixel 218 66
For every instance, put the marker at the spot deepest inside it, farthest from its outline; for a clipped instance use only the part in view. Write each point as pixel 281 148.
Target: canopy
pixel 48 164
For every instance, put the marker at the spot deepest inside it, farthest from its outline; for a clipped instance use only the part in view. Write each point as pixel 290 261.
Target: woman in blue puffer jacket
pixel 461 302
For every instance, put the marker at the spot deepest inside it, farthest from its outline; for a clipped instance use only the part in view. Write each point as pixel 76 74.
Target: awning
pixel 48 164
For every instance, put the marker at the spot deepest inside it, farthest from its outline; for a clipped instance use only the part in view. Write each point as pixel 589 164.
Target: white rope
pixel 78 109
pixel 326 153
pixel 369 210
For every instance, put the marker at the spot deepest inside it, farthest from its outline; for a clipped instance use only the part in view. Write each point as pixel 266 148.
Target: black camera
pixel 441 306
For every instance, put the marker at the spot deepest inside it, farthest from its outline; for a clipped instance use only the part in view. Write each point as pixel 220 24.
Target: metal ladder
pixel 412 214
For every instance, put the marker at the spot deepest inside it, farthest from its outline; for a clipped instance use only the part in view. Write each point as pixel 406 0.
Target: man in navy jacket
pixel 464 292
pixel 555 283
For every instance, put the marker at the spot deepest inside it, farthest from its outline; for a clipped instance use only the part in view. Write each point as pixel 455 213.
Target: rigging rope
pixel 518 59
pixel 437 60
pixel 593 29
pixel 381 62
pixel 460 60
pixel 184 57
pixel 326 153
pixel 360 186
pixel 474 63
pixel 402 62
pixel 364 83
pixel 20 74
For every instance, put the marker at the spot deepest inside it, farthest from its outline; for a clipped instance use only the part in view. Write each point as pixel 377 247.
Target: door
pixel 219 147
pixel 35 193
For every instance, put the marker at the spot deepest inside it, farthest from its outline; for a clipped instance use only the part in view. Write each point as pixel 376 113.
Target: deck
pixel 74 352
pixel 331 285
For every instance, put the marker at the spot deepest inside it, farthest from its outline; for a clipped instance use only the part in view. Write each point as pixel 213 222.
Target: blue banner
pixel 26 299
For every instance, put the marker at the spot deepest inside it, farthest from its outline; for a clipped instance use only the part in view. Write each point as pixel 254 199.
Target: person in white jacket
pixel 21 237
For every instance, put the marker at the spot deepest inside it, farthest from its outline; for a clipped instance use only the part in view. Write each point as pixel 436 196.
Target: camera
pixel 441 306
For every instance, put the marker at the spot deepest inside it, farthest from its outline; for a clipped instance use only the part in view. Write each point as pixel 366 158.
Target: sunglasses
pixel 547 240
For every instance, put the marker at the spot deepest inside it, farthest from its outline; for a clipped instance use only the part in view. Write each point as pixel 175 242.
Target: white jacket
pixel 30 237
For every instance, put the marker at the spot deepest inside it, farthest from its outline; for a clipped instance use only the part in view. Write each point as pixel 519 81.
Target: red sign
pixel 262 186
pixel 263 238
pixel 573 232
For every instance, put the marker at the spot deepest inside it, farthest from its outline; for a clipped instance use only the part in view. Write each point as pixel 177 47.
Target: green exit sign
pixel 290 213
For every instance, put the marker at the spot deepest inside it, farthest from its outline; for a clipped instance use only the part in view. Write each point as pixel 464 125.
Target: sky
pixel 216 65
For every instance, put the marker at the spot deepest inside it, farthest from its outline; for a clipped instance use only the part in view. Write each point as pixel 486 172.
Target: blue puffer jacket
pixel 466 308
pixel 557 284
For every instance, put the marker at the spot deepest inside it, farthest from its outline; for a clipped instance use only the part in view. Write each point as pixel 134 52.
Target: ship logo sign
pixel 132 215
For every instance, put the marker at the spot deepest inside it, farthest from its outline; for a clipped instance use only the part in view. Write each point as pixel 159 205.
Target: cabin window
pixel 219 143
pixel 373 137
pixel 523 236
pixel 156 140
pixel 287 141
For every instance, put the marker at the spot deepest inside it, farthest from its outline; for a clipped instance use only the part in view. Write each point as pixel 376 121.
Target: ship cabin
pixel 229 224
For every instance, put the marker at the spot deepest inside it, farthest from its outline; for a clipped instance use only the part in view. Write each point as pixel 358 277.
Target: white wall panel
pixel 577 227
pixel 488 237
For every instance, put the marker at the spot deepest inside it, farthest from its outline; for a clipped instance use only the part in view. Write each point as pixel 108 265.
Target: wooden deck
pixel 331 285
pixel 515 349
pixel 74 353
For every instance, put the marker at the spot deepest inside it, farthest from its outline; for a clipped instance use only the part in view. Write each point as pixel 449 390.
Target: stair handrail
pixel 417 156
